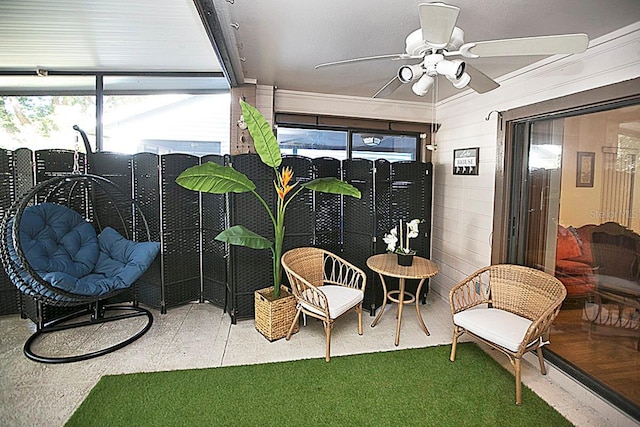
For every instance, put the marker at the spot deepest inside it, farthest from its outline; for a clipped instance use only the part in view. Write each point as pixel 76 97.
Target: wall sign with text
pixel 465 161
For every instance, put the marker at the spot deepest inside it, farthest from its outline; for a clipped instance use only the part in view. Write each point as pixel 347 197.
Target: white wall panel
pixel 287 101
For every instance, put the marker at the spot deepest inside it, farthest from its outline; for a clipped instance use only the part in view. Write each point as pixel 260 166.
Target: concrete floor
pixel 201 336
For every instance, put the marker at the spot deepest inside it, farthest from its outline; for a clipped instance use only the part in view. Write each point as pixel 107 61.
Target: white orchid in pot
pixel 398 240
pixel 213 178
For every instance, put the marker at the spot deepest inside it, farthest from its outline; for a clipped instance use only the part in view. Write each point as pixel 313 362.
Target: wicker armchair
pixel 325 286
pixel 508 307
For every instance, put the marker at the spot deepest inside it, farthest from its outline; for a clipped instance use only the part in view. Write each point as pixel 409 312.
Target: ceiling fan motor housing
pixel 414 45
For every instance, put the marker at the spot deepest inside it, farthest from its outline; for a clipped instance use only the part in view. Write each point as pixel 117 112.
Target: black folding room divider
pixel 192 265
pixel 390 192
pixel 327 215
pixel 8 292
pixel 214 253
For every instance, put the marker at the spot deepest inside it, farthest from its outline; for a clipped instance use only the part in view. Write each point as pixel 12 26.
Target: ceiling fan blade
pixel 437 21
pixel 366 58
pixel 386 90
pixel 541 45
pixel 480 82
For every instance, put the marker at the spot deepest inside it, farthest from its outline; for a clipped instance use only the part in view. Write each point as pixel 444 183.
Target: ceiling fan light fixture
pixel 451 69
pixel 422 86
pixel 460 82
pixel 438 39
pixel 409 73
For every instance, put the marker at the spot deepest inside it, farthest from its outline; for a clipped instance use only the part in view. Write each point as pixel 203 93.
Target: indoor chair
pixel 508 307
pixel 78 251
pixel 325 287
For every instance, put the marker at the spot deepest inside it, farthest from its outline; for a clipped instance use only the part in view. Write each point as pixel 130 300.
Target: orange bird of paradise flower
pixel 284 188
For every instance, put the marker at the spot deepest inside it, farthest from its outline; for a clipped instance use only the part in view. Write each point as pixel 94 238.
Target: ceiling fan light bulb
pixel 460 82
pixel 422 86
pixel 409 73
pixel 451 69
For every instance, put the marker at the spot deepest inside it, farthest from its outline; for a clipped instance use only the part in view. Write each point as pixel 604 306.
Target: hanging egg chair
pixel 78 241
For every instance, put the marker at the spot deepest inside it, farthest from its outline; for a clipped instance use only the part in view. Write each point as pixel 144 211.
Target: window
pixel 155 113
pixel 349 137
pixel 313 143
pixel 375 146
pixel 165 114
pixel 166 123
pixel 582 202
pixel 338 144
pixel 40 118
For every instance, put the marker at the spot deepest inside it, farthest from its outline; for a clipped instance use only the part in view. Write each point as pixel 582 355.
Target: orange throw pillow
pixel 567 246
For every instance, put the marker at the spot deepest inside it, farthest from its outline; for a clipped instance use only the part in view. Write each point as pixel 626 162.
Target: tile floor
pixel 201 335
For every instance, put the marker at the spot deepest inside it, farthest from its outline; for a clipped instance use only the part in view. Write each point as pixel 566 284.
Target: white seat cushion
pixel 339 298
pixel 497 326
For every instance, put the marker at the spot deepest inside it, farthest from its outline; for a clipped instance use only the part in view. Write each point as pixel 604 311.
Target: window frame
pixel 351 125
pixel 99 90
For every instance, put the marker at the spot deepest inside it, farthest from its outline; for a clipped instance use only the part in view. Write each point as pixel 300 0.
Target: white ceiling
pixel 277 42
pixel 103 35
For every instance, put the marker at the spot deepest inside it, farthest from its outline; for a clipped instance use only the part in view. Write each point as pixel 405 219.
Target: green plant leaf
pixel 242 236
pixel 213 178
pixel 264 140
pixel 332 185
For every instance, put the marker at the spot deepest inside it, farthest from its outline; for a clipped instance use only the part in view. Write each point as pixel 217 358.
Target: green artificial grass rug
pixel 398 388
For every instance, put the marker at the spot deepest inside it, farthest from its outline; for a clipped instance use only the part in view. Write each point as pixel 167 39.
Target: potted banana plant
pixel 213 178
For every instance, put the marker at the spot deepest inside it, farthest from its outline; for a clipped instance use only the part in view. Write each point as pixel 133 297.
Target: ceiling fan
pixel 440 46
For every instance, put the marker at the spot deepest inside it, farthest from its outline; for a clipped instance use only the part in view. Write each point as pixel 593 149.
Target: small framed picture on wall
pixel 466 161
pixel 585 169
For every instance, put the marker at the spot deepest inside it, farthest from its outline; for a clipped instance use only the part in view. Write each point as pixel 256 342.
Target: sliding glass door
pixel 575 213
pixel 536 218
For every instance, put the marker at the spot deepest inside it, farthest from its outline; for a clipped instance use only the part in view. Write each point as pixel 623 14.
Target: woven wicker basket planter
pixel 274 317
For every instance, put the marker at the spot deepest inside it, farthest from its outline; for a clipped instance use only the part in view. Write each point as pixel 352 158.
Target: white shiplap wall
pixel 463 205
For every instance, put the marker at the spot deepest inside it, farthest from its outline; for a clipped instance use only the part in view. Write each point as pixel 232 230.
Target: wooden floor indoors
pixel 609 354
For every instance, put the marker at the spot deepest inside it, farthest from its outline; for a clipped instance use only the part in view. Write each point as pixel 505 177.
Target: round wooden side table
pixel 387 265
